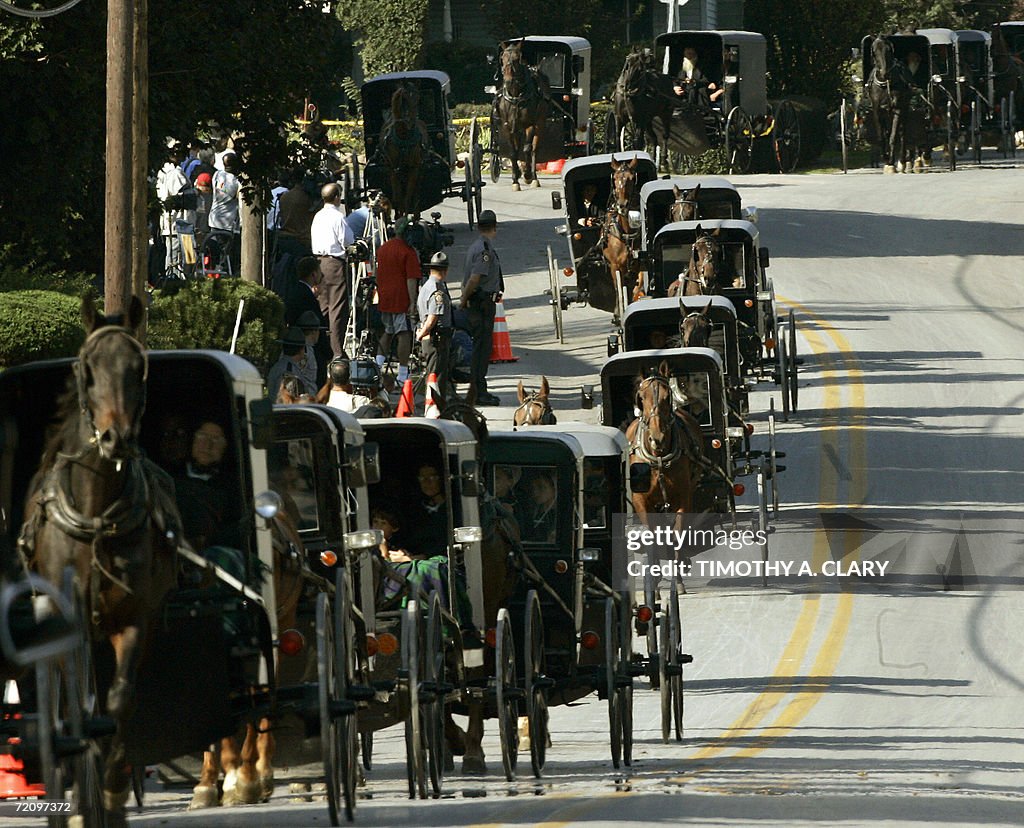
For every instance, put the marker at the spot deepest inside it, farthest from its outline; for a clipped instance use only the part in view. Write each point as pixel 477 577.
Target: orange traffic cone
pixel 430 408
pixel 501 344
pixel 407 403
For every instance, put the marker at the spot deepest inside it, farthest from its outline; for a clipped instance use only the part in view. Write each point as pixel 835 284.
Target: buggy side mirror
pixel 362 464
pixel 640 478
pixel 556 200
pixel 577 63
pixel 469 473
pixel 261 423
pixel 762 257
pixel 25 637
pixel 936 78
pixel 436 216
pixel 751 214
pixel 961 79
pixel 587 397
pixel 613 344
pixel 371 463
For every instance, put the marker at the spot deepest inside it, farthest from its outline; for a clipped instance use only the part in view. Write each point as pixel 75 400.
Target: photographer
pixel 482 288
pixel 435 310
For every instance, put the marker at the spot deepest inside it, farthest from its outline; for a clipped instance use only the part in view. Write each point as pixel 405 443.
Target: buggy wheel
pixel 1011 112
pixel 346 729
pixel 975 136
pixel 535 683
pixel 626 679
pixel 556 296
pixel 434 676
pixel 762 517
pixel 471 184
pixel 664 685
pixel 780 345
pixel 326 687
pixel 952 128
pixel 675 668
pixel 476 163
pixel 611 133
pixel 414 758
pixel 611 671
pixel 506 692
pixel 653 653
pixel 493 149
pixel 773 467
pixel 739 140
pixel 793 379
pixel 786 137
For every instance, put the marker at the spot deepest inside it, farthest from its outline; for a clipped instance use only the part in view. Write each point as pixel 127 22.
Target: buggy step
pixel 360 692
pixel 543 682
pixel 97 727
pixel 384 686
pixel 341 707
pixel 635 669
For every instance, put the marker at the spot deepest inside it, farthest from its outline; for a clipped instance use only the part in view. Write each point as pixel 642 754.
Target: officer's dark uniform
pixel 434 299
pixel 482 258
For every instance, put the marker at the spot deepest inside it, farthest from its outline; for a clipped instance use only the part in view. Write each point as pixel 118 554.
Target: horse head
pixel 111 378
pixel 882 57
pixel 534 406
pixel 404 107
pixel 684 208
pixel 706 259
pixel 291 391
pixel 695 328
pixel 623 183
pixel 654 402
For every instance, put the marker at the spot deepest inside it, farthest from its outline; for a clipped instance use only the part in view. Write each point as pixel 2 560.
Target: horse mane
pixel 62 429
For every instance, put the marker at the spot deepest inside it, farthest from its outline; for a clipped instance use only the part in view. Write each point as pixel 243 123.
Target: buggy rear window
pixel 292 468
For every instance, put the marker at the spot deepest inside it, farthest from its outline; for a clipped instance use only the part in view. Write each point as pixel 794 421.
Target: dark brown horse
pixel 641 95
pixel 686 205
pixel 669 441
pixel 404 146
pixel 889 92
pixel 619 239
pixel 695 328
pixel 521 107
pixel 706 272
pixel 249 773
pixel 96 505
pixel 534 406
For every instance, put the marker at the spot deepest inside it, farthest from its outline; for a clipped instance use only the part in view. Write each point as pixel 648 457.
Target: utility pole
pixel 140 150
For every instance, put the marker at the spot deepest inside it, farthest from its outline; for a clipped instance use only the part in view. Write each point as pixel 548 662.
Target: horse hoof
pixel 203 796
pixel 266 787
pixel 515 186
pixel 535 183
pixel 889 169
pixel 117 697
pixel 524 733
pixel 244 793
pixel 473 766
pixel 113 807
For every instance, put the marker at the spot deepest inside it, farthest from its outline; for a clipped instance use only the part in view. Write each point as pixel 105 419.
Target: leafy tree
pixel 389 33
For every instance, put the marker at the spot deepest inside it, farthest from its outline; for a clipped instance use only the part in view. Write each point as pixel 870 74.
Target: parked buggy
pixel 577 624
pixel 388 151
pixel 564 62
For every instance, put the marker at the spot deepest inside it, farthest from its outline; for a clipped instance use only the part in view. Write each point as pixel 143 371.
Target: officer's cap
pixel 439 260
pixel 487 219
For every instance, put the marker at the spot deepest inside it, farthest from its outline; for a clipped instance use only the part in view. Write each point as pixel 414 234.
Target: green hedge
pixel 38 324
pixel 26 271
pixel 202 315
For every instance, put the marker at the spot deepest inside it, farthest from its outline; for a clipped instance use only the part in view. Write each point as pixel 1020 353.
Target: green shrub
pixel 202 315
pixel 28 271
pixel 38 324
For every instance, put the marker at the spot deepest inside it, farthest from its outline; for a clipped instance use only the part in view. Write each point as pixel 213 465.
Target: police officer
pixel 482 287
pixel 434 307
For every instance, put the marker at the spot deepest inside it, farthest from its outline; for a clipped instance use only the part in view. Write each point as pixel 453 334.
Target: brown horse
pixel 705 274
pixel 404 146
pixel 695 328
pixel 669 441
pixel 619 239
pixel 534 406
pixel 500 551
pixel 249 774
pixel 685 207
pixel 521 107
pixel 96 505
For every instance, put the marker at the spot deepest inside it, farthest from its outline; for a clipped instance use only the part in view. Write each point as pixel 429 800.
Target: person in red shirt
pixel 398 278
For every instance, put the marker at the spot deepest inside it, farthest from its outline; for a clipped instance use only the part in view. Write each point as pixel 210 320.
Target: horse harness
pixel 80 378
pixel 547 416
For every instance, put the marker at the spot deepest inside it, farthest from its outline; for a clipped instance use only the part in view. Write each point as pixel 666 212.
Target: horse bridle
pixel 547 415
pixel 700 280
pixel 685 319
pixel 79 369
pixel 663 461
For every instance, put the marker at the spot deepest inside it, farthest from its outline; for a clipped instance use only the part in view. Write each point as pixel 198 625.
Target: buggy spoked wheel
pixel 612 668
pixel 472 185
pixel 625 689
pixel 675 668
pixel 739 140
pixel 535 683
pixel 664 685
pixel 414 752
pixel 653 653
pixel 434 679
pixel 783 360
pixel 556 295
pixel 476 158
pixel 326 688
pixel 794 384
pixel 611 133
pixel 773 466
pixel 493 150
pixel 951 135
pixel 975 132
pixel 506 694
pixel 786 137
pixel 1011 112
pixel 346 728
pixel 762 515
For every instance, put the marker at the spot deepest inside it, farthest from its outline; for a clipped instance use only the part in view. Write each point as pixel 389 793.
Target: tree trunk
pixel 253 222
pixel 140 156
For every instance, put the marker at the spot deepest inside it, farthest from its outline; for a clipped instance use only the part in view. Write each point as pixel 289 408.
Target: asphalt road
pixel 824 700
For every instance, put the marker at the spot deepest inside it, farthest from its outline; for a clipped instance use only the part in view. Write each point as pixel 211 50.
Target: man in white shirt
pixel 342 396
pixel 170 181
pixel 329 236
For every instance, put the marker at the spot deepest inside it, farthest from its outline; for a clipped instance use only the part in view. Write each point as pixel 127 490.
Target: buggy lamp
pixel 961 79
pixel 491 637
pixel 577 236
pixel 491 90
pixel 291 642
pixel 644 614
pixel 460 163
pixel 750 214
pixel 716 443
pixel 764 296
pixel 738 489
pixel 567 272
pixel 387 644
pixel 372 645
pixel 749 427
pixel 566 98
pixel 589 553
pixel 364 539
pixel 590 640
pixel 562 229
pixel 268 504
pixel 748 303
pixel 468 534
pixel 936 78
pixel 561 567
pixel 769 343
pixel 328 558
pixel 634 219
pixel 734 431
